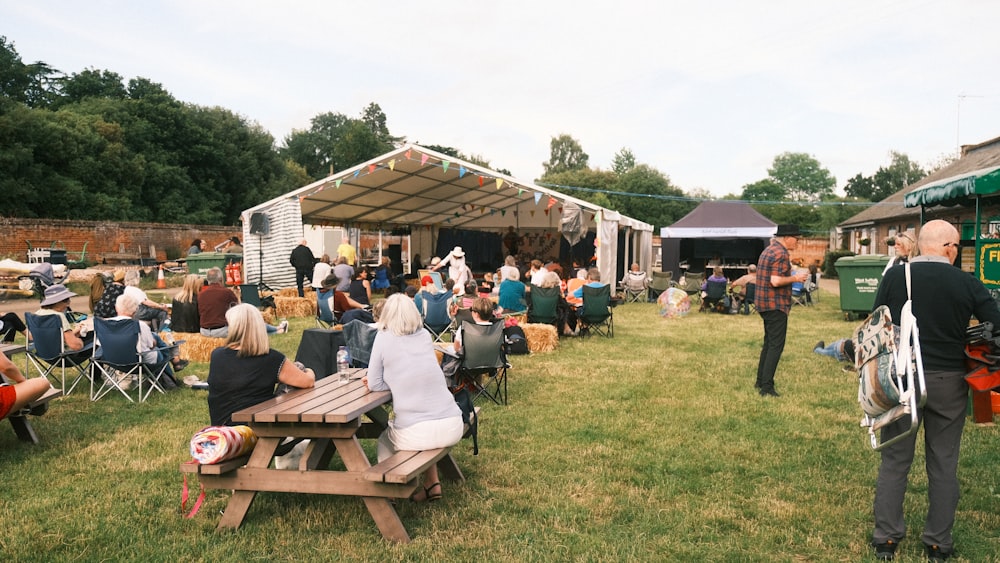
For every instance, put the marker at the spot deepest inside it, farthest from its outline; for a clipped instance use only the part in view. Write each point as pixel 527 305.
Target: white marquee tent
pixel 426 191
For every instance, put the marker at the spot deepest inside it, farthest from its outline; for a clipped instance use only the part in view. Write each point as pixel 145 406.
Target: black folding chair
pixel 715 293
pixel 434 310
pixel 544 305
pixel 359 338
pixel 483 356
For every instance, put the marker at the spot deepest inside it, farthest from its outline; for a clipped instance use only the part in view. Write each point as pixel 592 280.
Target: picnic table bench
pixel 330 415
pixel 19 420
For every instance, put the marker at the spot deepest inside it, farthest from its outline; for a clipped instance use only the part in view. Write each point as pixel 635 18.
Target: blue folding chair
pixel 116 362
pixel 434 309
pixel 324 312
pixel 47 351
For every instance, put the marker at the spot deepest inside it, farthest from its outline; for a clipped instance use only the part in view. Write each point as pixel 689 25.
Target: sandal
pixel 431 497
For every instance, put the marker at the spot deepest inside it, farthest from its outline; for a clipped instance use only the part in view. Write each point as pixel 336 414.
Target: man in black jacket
pixel 302 260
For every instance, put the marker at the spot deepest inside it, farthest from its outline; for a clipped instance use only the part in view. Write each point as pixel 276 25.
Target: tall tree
pixel 802 177
pixel 336 142
pixel 887 180
pixel 30 84
pixel 92 83
pixel 623 161
pixel 565 154
pixel 656 200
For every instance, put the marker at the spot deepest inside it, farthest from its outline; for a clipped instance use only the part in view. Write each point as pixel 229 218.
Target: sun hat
pixel 788 231
pixel 435 261
pixel 119 275
pixel 330 281
pixel 457 252
pixel 56 294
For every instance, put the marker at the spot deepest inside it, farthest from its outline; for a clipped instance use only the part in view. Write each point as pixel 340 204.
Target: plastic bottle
pixel 168 335
pixel 343 360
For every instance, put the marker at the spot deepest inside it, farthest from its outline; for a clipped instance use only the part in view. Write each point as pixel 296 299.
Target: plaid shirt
pixel 773 262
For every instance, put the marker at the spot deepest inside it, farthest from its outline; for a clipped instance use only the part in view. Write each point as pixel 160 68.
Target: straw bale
pixel 295 306
pixel 196 347
pixel 541 337
pixel 287 292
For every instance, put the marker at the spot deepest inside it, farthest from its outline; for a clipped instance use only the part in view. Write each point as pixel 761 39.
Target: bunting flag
pixel 503 212
pixel 532 212
pixel 499 183
pixel 356 172
pixel 538 197
pixel 493 211
pixel 515 213
pixel 371 168
pixel 597 217
pixel 480 181
pixel 408 151
pixel 520 191
pixel 423 159
pixel 552 201
pixel 546 212
pixel 337 183
pixel 445 164
pixel 392 165
pixel 482 210
pixel 461 170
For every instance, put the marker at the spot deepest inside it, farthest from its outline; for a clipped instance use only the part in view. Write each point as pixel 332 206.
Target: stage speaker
pixel 395 254
pixel 260 224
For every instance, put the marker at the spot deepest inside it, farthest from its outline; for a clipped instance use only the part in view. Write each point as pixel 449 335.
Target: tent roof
pixel 413 185
pixel 721 219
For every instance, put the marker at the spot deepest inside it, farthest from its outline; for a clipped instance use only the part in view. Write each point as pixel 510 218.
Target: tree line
pixel 91 145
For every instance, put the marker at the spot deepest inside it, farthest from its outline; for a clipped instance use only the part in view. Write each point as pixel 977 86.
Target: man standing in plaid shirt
pixel 774 302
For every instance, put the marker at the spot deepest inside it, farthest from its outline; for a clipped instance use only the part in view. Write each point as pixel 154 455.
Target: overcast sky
pixel 706 92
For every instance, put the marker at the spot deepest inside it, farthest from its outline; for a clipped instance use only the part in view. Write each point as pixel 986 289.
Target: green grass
pixel 651 446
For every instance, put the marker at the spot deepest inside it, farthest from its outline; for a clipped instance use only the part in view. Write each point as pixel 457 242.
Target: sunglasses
pixel 951 245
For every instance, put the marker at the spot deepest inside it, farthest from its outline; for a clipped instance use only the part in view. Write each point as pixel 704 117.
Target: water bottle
pixel 343 362
pixel 168 335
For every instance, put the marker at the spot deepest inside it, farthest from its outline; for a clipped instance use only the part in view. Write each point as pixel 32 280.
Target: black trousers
pixel 775 329
pixel 302 276
pixel 10 325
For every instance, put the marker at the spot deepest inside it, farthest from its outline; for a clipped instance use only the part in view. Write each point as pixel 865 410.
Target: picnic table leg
pixel 23 429
pixel 318 454
pixel 240 502
pixel 382 511
pixel 448 469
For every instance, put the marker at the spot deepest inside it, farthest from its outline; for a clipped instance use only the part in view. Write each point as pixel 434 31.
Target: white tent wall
pixel 607 248
pixel 270 252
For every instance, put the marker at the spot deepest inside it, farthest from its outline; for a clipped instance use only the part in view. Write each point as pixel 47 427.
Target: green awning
pixel 956 189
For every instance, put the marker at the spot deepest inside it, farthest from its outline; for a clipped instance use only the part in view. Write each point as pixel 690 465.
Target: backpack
pixel 514 340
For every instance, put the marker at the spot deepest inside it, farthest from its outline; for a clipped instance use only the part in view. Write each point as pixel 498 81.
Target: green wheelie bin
pixel 859 279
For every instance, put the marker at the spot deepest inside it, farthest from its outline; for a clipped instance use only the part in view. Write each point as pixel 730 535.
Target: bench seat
pixel 403 467
pixel 214 468
pixel 19 421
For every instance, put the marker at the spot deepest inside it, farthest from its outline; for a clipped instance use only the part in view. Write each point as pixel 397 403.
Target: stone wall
pixel 106 237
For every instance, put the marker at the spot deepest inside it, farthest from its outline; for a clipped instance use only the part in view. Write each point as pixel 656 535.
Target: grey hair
pixel 400 316
pixel 126 305
pixel 215 276
pixel 247 330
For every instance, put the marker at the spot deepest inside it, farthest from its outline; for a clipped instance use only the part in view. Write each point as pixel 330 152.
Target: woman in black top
pixel 184 308
pixel 361 289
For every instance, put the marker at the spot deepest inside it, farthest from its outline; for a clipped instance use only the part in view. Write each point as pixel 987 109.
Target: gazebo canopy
pixel 720 219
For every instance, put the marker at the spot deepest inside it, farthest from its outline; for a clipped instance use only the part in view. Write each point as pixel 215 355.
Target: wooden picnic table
pixel 19 420
pixel 330 415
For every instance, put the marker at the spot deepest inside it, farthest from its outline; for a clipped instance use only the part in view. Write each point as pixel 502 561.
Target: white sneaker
pixel 283 327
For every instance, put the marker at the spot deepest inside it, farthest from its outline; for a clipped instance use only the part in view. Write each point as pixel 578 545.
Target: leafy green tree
pixel 656 202
pixel 566 154
pixel 623 161
pixel 597 180
pixel 801 177
pixel 336 142
pixel 860 186
pixel 92 83
pixel 30 84
pixel 764 190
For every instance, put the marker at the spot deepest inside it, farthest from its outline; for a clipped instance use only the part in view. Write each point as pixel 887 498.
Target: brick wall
pixel 171 241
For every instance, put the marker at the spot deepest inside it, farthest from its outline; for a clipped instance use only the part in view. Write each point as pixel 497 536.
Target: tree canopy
pixel 887 180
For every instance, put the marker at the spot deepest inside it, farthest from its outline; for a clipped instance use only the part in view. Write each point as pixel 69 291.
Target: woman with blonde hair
pixel 403 362
pixel 184 307
pixel 245 371
pixel 906 247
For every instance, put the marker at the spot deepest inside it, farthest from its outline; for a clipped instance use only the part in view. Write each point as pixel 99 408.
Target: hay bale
pixel 540 337
pixel 197 348
pixel 287 292
pixel 294 306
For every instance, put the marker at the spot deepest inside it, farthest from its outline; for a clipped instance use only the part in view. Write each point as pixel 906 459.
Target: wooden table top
pixel 330 401
pixel 10 348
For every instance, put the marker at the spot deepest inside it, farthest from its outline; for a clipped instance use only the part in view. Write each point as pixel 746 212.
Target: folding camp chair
pixel 692 286
pixel 47 351
pixel 359 338
pixel 483 356
pixel 544 305
pixel 715 293
pixel 596 313
pixel 434 310
pixel 324 313
pixel 634 286
pixel 799 294
pixel 116 362
pixel 661 282
pixel 746 304
pixel 436 276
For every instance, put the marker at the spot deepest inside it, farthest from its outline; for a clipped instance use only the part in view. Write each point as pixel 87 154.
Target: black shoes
pixel 819 345
pixel 769 393
pixel 885 551
pixel 935 553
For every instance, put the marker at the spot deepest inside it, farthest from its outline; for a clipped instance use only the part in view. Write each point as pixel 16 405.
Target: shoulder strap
pixel 906 265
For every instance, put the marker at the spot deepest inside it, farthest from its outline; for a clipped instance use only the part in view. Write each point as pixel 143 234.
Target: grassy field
pixel 651 446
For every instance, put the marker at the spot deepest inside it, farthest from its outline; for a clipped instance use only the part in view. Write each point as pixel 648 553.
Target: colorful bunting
pixel 445 164
pixel 499 183
pixel 480 181
pixel 538 197
pixel 461 171
pixel 408 151
pixel 552 201
pixel 423 159
pixel 337 183
pixel 371 168
pixel 392 165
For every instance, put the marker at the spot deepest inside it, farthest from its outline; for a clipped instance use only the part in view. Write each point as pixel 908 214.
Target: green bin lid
pixel 863 260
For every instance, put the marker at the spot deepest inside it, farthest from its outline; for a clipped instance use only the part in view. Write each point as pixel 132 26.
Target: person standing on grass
pixel 303 261
pixel 944 299
pixel 774 302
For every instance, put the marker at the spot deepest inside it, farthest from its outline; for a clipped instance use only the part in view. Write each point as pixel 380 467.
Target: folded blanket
pixel 214 444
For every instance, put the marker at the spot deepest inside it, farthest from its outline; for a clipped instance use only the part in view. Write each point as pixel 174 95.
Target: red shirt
pixel 213 302
pixel 773 262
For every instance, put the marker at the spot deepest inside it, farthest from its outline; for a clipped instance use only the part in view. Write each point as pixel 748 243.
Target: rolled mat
pixel 214 444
